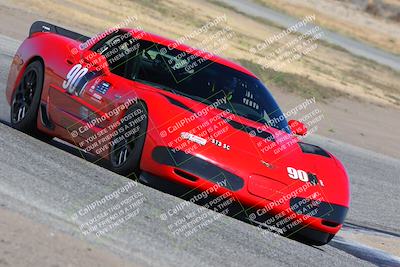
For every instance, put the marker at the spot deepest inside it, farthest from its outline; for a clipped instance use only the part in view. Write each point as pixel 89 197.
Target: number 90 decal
pixel 73 77
pixel 297 174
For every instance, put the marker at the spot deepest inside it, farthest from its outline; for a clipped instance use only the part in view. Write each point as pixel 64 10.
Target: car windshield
pixel 207 81
pixel 196 77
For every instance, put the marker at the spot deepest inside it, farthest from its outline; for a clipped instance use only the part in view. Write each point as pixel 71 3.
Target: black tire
pixel 313 237
pixel 316 242
pixel 127 144
pixel 26 99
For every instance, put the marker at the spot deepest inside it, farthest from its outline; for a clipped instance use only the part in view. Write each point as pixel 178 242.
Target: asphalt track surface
pixel 353 46
pixel 51 182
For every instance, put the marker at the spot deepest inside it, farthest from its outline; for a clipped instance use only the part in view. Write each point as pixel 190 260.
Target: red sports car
pixel 154 106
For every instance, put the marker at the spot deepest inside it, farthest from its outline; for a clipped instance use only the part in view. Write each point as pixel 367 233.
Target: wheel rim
pixel 121 152
pixel 123 149
pixel 23 96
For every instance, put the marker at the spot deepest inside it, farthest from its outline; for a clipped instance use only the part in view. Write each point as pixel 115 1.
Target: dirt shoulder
pixel 24 242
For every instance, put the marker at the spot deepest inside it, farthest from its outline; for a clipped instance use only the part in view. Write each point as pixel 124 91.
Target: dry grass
pixel 347 18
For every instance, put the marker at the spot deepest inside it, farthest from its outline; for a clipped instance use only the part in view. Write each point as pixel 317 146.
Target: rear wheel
pixel 127 144
pixel 26 99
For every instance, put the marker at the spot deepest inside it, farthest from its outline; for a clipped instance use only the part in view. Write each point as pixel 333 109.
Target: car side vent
pixel 186 175
pixel 312 149
pixel 250 130
pixel 179 104
pixel 44 118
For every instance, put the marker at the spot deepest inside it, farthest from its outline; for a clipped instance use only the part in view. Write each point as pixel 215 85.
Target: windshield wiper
pixel 169 89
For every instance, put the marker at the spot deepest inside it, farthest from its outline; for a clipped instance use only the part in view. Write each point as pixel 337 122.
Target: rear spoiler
pixel 41 26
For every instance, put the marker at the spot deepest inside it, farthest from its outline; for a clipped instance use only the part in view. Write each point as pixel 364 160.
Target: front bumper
pixel 196 172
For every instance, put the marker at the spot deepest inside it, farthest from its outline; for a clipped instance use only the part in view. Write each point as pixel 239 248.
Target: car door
pixel 89 89
pixel 66 104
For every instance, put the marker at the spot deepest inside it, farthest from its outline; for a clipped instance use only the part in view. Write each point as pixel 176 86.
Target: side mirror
pixel 95 61
pixel 297 127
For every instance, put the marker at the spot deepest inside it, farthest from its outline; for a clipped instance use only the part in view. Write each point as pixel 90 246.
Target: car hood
pixel 261 155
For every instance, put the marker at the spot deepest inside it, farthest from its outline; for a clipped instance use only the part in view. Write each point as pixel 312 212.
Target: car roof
pixel 139 34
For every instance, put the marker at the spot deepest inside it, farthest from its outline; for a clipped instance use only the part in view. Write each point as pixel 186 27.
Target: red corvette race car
pixel 153 106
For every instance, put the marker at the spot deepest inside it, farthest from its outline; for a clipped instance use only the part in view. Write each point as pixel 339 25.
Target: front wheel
pixel 127 144
pixel 313 237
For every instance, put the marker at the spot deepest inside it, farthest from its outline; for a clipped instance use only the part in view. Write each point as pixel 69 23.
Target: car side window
pixel 114 49
pixel 105 44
